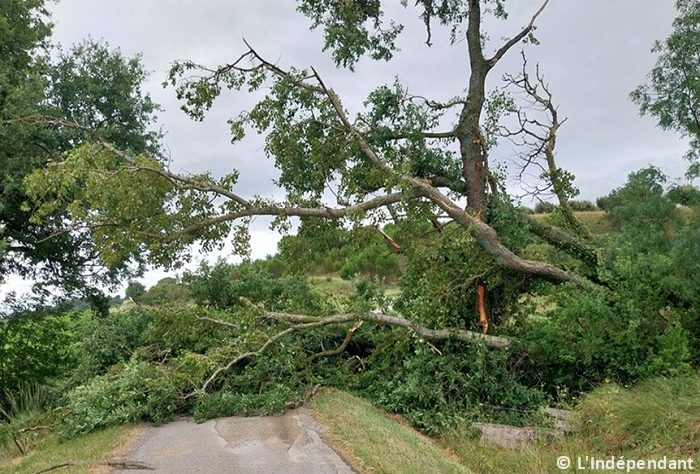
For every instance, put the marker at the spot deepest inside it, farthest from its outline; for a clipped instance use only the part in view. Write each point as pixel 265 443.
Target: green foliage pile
pixel 439 386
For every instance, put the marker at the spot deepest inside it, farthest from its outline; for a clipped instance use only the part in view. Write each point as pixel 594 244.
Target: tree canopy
pixel 89 83
pixel 672 94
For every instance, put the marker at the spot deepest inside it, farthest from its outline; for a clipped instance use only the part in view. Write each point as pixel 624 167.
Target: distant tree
pixel 544 207
pixel 582 206
pixel 685 195
pixel 672 94
pixel 167 291
pixel 135 291
pixel 603 203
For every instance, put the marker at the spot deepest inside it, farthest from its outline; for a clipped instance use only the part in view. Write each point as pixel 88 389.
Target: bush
pixel 435 389
pixel 587 339
pixel 103 341
pixel 544 207
pixel 582 206
pixel 34 348
pixel 131 392
pixel 685 195
pixel 223 285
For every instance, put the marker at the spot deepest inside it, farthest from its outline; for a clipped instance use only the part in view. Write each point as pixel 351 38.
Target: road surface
pixel 289 444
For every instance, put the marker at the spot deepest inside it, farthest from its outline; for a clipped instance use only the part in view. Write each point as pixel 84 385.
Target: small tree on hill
pixel 135 291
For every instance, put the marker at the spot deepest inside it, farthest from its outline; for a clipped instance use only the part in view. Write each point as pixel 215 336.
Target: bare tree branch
pixel 341 348
pixel 115 463
pixel 517 38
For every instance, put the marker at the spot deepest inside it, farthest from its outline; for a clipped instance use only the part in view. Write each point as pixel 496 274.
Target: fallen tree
pixel 302 322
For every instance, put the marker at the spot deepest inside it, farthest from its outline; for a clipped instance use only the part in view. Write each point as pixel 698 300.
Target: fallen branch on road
pixel 120 463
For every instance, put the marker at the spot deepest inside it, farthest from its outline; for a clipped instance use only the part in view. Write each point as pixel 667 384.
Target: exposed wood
pixel 481 307
pixel 395 247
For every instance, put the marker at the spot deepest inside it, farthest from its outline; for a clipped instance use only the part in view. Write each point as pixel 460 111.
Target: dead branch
pixel 340 349
pixel 308 396
pixel 18 444
pixel 395 247
pixel 120 463
pixel 517 38
pixel 539 137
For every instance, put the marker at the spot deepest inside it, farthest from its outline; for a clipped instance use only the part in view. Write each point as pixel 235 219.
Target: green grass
pixel 332 285
pixel 336 287
pixel 374 442
pixel 110 443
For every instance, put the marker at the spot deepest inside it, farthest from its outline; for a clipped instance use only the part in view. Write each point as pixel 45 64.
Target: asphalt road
pixel 257 445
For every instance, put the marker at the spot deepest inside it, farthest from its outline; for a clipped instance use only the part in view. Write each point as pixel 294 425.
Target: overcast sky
pixel 593 54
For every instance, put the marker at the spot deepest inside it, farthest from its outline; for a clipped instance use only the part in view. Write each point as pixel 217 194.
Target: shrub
pixel 587 339
pixel 103 341
pixel 131 392
pixel 223 285
pixel 435 386
pixel 582 206
pixel 34 348
pixel 685 195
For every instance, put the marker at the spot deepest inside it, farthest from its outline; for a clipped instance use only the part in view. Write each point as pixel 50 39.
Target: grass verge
pixel 374 442
pixel 111 443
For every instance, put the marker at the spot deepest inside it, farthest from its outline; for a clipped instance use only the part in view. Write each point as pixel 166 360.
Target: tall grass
pixel 23 419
